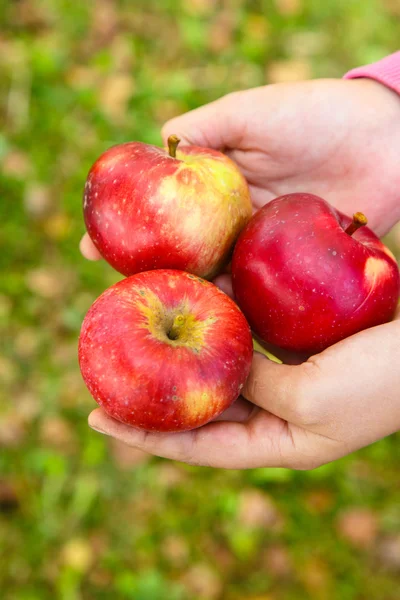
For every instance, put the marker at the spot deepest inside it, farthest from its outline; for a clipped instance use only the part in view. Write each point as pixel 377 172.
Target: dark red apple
pixel 165 351
pixel 148 208
pixel 306 276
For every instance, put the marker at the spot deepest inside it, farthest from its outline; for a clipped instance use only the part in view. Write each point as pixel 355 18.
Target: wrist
pixel 384 98
pixel 385 71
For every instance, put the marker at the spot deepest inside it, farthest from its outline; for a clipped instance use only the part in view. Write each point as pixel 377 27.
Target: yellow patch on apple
pixel 374 269
pixel 176 326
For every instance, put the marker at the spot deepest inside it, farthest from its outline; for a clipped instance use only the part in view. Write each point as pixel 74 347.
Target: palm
pixel 305 142
pixel 278 432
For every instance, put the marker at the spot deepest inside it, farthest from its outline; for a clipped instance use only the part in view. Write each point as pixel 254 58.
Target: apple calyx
pixel 177 327
pixel 173 142
pixel 359 220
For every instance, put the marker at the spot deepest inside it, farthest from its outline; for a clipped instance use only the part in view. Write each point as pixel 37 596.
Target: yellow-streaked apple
pixel 165 350
pixel 182 208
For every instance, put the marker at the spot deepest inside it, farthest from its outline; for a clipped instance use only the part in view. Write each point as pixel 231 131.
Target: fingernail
pixel 98 430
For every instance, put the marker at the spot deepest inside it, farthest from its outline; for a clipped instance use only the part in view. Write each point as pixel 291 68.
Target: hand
pixel 298 416
pixel 337 139
pixel 334 138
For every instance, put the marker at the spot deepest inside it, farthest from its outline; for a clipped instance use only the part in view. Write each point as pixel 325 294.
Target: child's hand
pixel 333 138
pixel 299 416
pixel 340 140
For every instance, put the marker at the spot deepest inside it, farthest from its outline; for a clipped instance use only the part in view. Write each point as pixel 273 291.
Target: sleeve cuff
pixel 386 71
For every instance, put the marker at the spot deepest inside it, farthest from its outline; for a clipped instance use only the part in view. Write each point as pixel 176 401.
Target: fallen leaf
pixel 176 550
pixel 101 578
pixel 262 597
pixel 114 95
pixel 258 510
pixel 5 306
pixel 392 6
pixel 57 432
pixel 359 526
pixel 9 371
pixel 303 44
pixel 200 7
pixel 219 554
pixel 17 164
pixel 64 353
pixel 282 71
pixel 12 430
pixel 49 282
pixel 77 554
pixel 82 77
pixel 26 342
pixel 316 577
pixel 169 475
pixel 73 391
pixel 388 552
pixel 167 108
pixel 201 581
pixel 27 406
pixel 32 15
pixel 257 27
pixel 57 226
pixel 99 542
pixel 126 456
pixel 289 7
pixel 38 200
pixel 122 52
pixel 319 501
pixel 8 496
pixel 104 20
pixel 277 561
pixel 220 33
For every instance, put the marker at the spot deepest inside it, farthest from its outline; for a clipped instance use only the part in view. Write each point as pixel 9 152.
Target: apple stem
pixel 176 328
pixel 173 142
pixel 359 220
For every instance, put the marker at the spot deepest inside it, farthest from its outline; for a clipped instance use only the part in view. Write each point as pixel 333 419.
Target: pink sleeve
pixel 386 71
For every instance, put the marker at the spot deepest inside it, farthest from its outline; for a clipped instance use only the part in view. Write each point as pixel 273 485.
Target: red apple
pixel 165 351
pixel 148 208
pixel 306 277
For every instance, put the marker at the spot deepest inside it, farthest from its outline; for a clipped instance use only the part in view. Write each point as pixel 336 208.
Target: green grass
pixel 75 523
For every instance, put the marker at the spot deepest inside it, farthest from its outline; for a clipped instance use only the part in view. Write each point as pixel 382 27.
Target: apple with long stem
pixel 306 275
pixel 183 208
pixel 165 350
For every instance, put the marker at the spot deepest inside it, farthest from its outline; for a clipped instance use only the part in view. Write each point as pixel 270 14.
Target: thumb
pixel 277 388
pixel 216 125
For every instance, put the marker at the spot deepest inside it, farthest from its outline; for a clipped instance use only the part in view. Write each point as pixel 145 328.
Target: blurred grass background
pixel 82 517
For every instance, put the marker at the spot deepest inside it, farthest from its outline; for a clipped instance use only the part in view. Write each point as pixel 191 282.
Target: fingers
pixel 254 438
pixel 240 411
pixel 88 249
pixel 346 394
pixel 354 386
pixel 397 315
pixel 271 386
pixel 276 388
pixel 216 125
pixel 225 445
pixel 285 356
pixel 224 282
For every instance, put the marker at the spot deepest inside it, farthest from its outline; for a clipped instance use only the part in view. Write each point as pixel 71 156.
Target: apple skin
pixel 141 377
pixel 144 209
pixel 303 283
